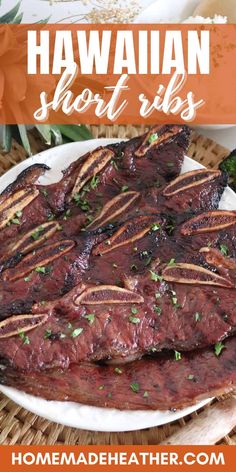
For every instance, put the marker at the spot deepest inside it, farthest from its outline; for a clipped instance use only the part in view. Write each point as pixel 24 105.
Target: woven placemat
pixel 17 425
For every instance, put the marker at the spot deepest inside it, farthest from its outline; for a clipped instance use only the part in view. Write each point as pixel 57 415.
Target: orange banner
pixel 117 74
pixel 207 458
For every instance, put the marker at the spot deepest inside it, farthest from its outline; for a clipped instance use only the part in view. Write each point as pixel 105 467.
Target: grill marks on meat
pixel 161 383
pixel 125 286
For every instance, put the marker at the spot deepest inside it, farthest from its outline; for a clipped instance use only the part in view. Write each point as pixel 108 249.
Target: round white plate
pixel 74 414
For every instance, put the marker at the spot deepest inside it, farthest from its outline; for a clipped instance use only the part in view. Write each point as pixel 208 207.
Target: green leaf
pixel 56 134
pixel 18 19
pixel 7 138
pixel 45 131
pixel 10 16
pixel 24 138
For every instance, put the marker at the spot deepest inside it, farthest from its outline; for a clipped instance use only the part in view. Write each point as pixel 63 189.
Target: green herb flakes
pixel 197 316
pixel 155 227
pixel 134 320
pixel 76 332
pixel 157 309
pixel 177 356
pixel 153 137
pixel 155 277
pixel 218 348
pixel 24 338
pixel 190 377
pixel 94 182
pixel 47 334
pixel 134 310
pixel 41 270
pixel 90 318
pixel 171 263
pixel 224 250
pixel 124 188
pixel 118 370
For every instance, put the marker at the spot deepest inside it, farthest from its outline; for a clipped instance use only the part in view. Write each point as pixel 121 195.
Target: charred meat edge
pixel 39 258
pixel 190 180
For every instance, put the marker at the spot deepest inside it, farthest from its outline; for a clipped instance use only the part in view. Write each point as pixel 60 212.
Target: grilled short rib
pixel 114 262
pixel 148 384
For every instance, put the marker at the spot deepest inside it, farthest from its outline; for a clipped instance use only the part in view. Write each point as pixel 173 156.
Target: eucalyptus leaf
pixel 7 138
pixel 24 138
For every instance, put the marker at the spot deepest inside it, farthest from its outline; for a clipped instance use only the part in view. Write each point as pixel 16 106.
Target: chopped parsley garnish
pixel 170 164
pixel 157 295
pixel 24 338
pixel 134 310
pixel 197 316
pixel 153 137
pixel 134 387
pixel 41 270
pixel 124 188
pixel 134 320
pixel 37 233
pixel 157 309
pixel 90 318
pixel 51 217
pixel 177 356
pixel 44 192
pixel 174 301
pixel 224 250
pixel 218 348
pixel 155 227
pixel 155 277
pixel 19 214
pixel 27 279
pixel 94 182
pixel 118 370
pixel 69 325
pixel 190 377
pixel 15 221
pixel 171 263
pixel 67 214
pixel 114 164
pixel 83 204
pixel 146 395
pixel 76 332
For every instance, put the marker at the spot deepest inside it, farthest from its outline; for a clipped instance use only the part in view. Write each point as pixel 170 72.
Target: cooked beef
pixel 148 384
pixel 91 324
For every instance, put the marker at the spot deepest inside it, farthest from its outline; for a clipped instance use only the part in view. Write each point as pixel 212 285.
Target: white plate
pixel 74 414
pixel 162 11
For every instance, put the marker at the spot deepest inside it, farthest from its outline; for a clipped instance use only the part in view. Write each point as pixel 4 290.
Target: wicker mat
pixel 17 425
